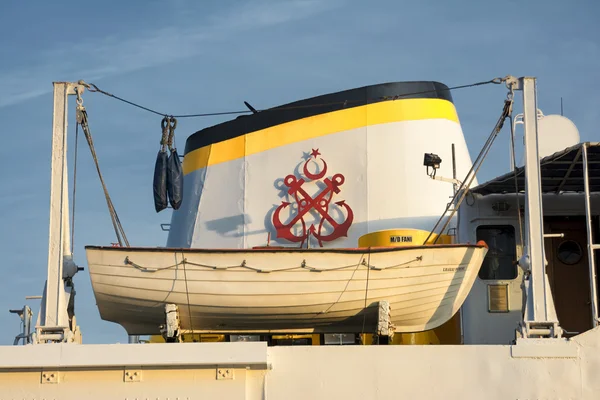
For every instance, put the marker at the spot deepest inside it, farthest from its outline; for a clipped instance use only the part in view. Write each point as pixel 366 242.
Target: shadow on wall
pixel 229 226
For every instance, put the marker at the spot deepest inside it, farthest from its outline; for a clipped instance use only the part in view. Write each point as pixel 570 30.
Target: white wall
pixel 230 204
pixel 546 370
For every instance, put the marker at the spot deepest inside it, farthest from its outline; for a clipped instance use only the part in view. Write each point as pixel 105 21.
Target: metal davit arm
pixel 540 316
pixel 54 323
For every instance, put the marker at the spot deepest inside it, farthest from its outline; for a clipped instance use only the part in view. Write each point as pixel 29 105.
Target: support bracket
pixel 385 328
pixel 25 314
pixel 132 375
pixel 49 377
pixel 225 373
pixel 171 331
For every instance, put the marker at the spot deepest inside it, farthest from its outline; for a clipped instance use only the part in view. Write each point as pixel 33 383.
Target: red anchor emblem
pixel 320 203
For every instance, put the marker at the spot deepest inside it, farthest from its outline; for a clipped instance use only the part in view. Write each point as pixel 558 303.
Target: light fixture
pixel 432 161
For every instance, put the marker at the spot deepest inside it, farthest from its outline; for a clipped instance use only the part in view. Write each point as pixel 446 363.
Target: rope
pixel 165 133
pixel 74 188
pixel 172 126
pixel 187 293
pixel 346 287
pixel 93 88
pixel 366 294
pixel 120 233
pixel 506 111
pixel 243 265
pixel 145 269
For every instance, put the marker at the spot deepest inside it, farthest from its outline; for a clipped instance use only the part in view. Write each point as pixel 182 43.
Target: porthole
pixel 569 252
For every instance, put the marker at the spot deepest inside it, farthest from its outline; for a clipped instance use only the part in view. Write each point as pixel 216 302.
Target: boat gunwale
pixel 278 249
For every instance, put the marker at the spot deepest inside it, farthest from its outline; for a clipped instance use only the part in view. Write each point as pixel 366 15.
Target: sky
pixel 185 56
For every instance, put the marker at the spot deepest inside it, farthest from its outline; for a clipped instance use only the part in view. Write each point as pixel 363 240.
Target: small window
pixel 500 260
pixel 569 252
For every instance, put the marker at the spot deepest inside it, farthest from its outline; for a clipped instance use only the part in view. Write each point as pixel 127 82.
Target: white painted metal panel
pixel 311 372
pixel 67 355
pixel 382 166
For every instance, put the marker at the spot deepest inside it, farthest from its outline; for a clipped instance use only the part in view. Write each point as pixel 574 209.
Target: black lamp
pixel 432 161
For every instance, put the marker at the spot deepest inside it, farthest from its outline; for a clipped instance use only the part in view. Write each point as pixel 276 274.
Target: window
pixel 500 260
pixel 569 252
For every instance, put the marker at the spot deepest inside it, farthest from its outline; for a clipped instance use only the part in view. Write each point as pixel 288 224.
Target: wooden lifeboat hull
pixel 279 289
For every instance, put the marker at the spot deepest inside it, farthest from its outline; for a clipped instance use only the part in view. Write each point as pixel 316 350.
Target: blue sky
pixel 186 56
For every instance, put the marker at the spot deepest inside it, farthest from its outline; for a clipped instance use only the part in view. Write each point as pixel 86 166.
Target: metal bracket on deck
pixel 171 331
pixel 132 375
pixel 25 314
pixel 225 374
pixel 49 377
pixel 533 330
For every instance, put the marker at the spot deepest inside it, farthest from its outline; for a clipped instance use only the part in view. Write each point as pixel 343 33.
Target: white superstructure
pixel 367 143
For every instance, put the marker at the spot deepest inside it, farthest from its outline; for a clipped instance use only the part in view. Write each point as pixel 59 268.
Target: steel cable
pixel 119 231
pixel 94 89
pixel 460 193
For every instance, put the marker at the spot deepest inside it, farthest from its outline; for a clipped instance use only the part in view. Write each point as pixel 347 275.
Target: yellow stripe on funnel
pixel 316 126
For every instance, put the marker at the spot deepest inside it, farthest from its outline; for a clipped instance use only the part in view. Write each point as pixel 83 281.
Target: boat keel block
pixel 385 327
pixel 171 331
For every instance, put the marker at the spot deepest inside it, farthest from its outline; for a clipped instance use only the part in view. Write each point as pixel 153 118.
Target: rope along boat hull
pixel 275 289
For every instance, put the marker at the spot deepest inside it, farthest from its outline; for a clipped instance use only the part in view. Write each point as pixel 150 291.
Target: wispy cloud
pixel 111 55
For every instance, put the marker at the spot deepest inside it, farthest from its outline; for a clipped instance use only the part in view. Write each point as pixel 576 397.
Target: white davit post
pixel 53 323
pixel 539 319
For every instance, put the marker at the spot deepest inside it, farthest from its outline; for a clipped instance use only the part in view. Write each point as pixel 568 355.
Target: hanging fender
pixel 160 171
pixel 174 170
pixel 174 180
